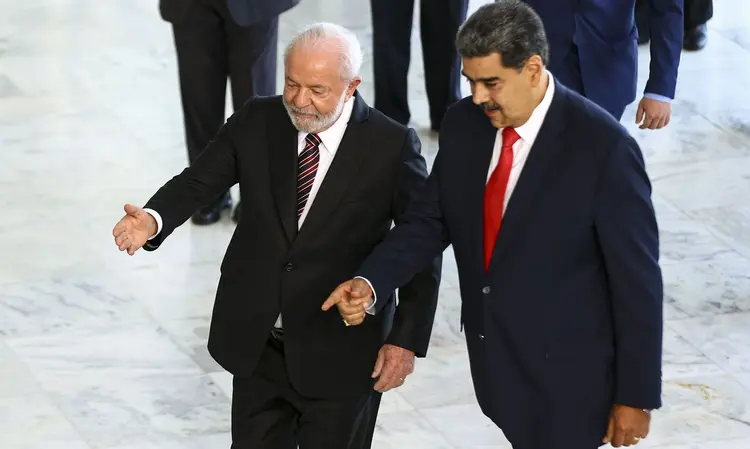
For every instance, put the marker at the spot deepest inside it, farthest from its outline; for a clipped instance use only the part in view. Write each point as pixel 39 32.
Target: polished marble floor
pixel 102 351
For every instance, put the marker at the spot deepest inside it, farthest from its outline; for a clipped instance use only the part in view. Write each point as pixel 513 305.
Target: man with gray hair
pixel 546 201
pixel 322 176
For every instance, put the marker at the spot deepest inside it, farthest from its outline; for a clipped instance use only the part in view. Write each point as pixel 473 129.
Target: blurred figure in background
pixel 216 39
pixel 392 22
pixel 697 14
pixel 593 50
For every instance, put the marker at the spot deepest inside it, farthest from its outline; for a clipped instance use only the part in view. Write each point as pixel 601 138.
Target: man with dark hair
pixel 546 201
pixel 594 51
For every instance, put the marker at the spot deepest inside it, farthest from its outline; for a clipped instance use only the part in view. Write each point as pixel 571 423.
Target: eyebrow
pixel 315 86
pixel 490 79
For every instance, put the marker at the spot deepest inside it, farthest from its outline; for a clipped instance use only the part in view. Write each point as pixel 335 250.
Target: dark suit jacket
pixel 269 267
pixel 244 12
pixel 568 319
pixel 606 35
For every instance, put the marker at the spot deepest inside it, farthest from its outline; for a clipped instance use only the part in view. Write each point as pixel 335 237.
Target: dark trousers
pixel 268 413
pixel 211 47
pixel 392 23
pixel 697 12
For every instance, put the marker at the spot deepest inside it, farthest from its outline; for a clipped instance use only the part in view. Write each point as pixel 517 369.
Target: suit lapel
pixel 283 169
pixel 354 145
pixel 543 157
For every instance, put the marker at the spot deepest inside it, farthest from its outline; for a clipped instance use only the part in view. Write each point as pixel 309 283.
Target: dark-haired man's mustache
pixel 491 107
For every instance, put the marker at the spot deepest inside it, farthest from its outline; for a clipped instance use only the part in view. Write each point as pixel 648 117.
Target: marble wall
pixel 99 350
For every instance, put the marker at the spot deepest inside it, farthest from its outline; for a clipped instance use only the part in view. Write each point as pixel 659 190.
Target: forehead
pixel 312 63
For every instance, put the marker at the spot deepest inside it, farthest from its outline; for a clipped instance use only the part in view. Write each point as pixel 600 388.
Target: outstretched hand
pixel 352 298
pixel 134 229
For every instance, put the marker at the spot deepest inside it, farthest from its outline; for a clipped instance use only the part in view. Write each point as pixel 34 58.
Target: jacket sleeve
pixel 417 239
pixel 628 236
pixel 417 304
pixel 212 173
pixel 666 27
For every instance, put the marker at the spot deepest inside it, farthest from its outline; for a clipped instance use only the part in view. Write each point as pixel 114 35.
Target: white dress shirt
pixel 521 149
pixel 329 144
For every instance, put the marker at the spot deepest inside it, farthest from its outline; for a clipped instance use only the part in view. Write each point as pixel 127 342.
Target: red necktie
pixel 494 194
pixel 307 168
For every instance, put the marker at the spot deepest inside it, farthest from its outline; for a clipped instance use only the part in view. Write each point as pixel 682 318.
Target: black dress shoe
pixel 237 212
pixel 695 38
pixel 212 214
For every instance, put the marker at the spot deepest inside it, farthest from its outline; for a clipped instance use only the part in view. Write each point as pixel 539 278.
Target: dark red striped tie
pixel 307 167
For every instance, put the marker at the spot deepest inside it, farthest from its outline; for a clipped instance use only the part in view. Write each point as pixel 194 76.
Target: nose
pixel 479 94
pixel 302 99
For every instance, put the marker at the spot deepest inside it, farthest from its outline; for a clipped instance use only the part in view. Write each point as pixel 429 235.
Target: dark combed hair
pixel 510 28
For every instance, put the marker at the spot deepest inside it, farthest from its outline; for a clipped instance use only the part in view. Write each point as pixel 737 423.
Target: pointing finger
pixel 331 301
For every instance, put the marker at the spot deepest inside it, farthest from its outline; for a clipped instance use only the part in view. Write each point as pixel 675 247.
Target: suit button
pixel 486 290
pixel 481 337
pixel 289 267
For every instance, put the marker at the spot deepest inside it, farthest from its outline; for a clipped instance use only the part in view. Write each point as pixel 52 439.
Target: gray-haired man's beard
pixel 317 122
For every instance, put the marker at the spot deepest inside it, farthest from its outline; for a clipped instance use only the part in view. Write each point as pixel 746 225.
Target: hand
pixel 134 229
pixel 653 114
pixel 627 426
pixel 392 367
pixel 352 298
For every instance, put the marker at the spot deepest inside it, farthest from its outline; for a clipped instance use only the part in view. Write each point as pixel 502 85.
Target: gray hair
pixel 336 36
pixel 510 28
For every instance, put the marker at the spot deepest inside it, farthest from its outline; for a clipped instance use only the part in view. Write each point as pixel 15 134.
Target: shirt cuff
pixel 370 308
pixel 157 217
pixel 657 97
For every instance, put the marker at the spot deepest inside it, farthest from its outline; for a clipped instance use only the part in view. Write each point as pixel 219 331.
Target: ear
pixel 353 85
pixel 534 69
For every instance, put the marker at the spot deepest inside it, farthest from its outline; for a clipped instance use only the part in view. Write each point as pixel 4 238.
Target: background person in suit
pixel 546 202
pixel 697 14
pixel 594 51
pixel 216 39
pixel 323 176
pixel 392 22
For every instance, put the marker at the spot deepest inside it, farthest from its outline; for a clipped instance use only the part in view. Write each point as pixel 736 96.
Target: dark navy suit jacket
pixel 244 12
pixel 568 319
pixel 606 36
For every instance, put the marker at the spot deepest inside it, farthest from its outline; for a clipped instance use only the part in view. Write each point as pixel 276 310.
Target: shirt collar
pixel 529 130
